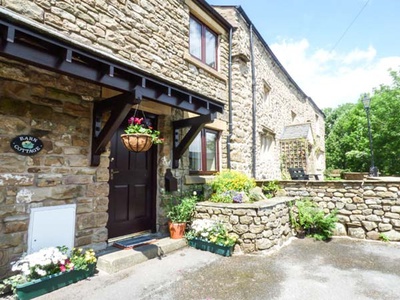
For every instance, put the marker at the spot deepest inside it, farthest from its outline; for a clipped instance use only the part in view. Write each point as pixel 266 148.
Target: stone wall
pixel 151 35
pixel 259 226
pixel 273 112
pixel 56 109
pixel 366 209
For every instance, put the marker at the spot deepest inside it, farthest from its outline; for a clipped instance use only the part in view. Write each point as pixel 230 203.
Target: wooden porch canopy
pixel 40 46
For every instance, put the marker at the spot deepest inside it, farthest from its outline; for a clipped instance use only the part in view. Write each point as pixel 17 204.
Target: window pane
pixel 211 154
pixel 211 46
pixel 195 154
pixel 195 38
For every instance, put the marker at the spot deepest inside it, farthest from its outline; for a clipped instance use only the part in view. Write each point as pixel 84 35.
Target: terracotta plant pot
pixel 176 230
pixel 137 142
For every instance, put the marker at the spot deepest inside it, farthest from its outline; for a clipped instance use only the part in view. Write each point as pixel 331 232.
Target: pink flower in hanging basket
pixel 136 126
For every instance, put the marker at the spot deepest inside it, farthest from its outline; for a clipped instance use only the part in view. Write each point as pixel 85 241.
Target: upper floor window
pixel 203 152
pixel 294 115
pixel 267 90
pixel 203 43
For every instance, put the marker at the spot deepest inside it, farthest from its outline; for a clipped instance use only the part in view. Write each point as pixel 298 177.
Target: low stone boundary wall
pixel 366 208
pixel 260 226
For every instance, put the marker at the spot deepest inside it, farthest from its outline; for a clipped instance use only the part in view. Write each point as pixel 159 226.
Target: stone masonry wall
pixel 273 113
pixel 152 35
pixel 56 109
pixel 366 209
pixel 259 226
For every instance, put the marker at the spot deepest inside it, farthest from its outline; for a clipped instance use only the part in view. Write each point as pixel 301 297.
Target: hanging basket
pixel 137 142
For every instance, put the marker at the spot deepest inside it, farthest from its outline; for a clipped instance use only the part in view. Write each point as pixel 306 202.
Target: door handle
pixel 112 172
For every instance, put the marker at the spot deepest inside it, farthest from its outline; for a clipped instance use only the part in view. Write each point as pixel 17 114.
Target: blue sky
pixel 331 65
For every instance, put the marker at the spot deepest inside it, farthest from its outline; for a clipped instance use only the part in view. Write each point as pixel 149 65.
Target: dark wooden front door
pixel 132 188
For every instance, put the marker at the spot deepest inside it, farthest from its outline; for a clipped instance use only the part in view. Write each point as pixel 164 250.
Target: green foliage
pixel 10 283
pixel 306 215
pixel 347 139
pixel 221 198
pixel 228 181
pixel 179 207
pixel 383 237
pixel 82 258
pixel 271 188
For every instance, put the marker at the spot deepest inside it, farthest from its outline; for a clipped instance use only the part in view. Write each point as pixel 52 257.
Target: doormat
pixel 134 242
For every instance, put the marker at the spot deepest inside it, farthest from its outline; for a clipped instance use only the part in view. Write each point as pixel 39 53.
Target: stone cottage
pixel 71 74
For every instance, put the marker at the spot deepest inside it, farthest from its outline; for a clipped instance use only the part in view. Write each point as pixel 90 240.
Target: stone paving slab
pixel 117 259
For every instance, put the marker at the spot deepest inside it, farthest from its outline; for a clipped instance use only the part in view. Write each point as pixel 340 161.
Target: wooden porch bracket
pixel 196 124
pixel 120 106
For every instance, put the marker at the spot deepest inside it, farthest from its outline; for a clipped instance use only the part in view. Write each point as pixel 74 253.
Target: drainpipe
pixel 228 139
pixel 253 92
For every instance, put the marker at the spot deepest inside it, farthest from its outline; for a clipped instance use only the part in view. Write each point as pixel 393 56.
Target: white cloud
pixel 332 78
pixel 359 55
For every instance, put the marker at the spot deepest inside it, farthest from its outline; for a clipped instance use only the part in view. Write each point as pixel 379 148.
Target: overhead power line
pixel 351 24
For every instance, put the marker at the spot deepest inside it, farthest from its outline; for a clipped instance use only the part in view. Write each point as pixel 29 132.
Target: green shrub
pixel 229 183
pixel 221 198
pixel 179 207
pixel 269 189
pixel 232 181
pixel 306 215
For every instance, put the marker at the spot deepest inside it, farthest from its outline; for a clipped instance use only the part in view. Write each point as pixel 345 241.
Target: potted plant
pixel 211 235
pixel 49 269
pixel 179 211
pixel 139 137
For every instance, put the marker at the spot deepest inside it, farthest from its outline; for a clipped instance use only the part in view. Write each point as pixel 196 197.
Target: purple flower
pixel 237 198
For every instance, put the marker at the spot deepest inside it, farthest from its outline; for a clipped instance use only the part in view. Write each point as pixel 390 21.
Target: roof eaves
pixel 208 8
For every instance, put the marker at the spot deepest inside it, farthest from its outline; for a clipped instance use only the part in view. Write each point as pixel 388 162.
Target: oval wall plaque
pixel 26 144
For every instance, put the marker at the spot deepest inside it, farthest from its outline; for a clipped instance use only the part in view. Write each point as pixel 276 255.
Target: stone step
pixel 113 260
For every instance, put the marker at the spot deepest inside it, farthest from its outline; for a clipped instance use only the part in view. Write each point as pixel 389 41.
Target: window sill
pixel 199 64
pixel 198 179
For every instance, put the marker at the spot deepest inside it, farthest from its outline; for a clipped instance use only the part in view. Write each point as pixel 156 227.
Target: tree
pixel 331 115
pixel 347 142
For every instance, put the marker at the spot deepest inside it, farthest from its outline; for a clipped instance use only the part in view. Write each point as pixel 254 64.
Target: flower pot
pixel 137 142
pixel 176 230
pixel 51 283
pixel 211 247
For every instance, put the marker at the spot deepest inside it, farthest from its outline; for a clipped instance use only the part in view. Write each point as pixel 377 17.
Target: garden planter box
pixel 51 283
pixel 211 247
